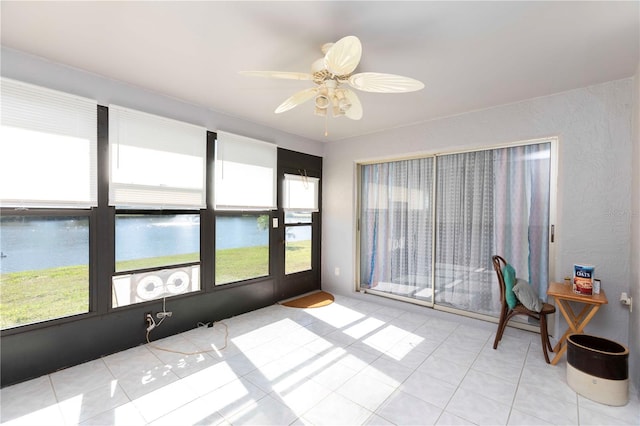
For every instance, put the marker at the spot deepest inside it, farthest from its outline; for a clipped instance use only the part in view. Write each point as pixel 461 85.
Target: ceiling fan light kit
pixel 334 71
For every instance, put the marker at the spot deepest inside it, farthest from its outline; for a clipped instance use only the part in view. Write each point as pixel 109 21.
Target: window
pixel 44 268
pixel 245 190
pixel 157 182
pixel 155 162
pixel 245 173
pixel 48 151
pixel 242 247
pixel 299 201
pixel 297 254
pixel 146 241
pixel 48 148
pixel 300 193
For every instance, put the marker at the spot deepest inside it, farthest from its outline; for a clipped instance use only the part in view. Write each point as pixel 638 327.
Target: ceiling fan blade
pixel 384 83
pixel 355 110
pixel 297 99
pixel 344 56
pixel 279 74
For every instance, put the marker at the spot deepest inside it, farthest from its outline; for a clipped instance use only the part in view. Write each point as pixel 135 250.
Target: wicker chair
pixel 506 313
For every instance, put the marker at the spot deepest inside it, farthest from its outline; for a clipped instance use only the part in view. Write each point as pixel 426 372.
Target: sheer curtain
pixel 396 227
pixel 522 192
pixel 494 201
pixel 464 241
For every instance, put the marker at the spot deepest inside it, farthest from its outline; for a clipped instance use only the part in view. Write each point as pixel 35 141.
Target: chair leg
pixel 546 333
pixel 500 330
pixel 544 337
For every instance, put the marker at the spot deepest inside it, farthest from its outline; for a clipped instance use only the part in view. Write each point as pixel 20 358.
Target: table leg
pixel 576 323
pixel 568 315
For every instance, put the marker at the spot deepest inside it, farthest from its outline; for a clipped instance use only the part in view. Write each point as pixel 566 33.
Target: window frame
pixel 91 264
pixel 270 242
pixel 102 238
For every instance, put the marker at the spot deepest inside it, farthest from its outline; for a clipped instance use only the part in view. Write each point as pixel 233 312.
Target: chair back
pixel 499 263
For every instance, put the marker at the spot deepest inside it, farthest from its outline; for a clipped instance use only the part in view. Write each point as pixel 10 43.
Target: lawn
pixel 32 296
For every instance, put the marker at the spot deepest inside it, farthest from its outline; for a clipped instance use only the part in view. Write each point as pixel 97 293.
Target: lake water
pixel 39 244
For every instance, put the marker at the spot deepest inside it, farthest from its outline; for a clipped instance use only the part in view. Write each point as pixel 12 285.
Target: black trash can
pixel 598 369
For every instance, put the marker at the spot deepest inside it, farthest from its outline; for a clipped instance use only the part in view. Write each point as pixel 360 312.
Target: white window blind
pixel 155 162
pixel 48 148
pixel 300 193
pixel 245 173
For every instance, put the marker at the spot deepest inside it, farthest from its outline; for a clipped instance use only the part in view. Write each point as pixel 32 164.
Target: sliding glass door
pixel 434 242
pixel 396 228
pixel 464 240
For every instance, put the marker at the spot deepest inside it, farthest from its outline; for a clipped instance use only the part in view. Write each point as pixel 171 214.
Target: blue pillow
pixel 509 275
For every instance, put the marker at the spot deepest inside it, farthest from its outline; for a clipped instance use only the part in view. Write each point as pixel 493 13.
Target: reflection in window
pixel 297 249
pixel 44 268
pixel 150 241
pixel 242 247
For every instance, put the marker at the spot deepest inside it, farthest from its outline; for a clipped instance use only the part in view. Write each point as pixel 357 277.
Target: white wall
pixel 594 188
pixel 35 70
pixel 634 323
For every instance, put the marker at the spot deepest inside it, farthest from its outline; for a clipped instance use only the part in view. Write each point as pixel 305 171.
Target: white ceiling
pixel 470 55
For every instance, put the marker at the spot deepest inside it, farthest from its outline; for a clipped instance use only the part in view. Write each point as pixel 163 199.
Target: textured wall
pixel 634 323
pixel 594 182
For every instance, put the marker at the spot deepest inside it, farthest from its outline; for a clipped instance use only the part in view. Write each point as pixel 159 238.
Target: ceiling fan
pixel 332 73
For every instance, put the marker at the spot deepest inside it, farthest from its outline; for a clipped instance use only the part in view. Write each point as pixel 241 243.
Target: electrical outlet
pixel 149 321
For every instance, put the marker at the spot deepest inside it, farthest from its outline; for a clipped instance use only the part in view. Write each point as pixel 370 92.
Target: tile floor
pixel 360 360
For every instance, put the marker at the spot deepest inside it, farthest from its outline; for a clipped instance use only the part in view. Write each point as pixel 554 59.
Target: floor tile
pixel 487 385
pixel 518 418
pixel 164 400
pixel 477 408
pixel 404 409
pixel 443 369
pixel 333 376
pixel 301 397
pixel 136 359
pixel 80 378
pixel 125 415
pixel 428 389
pixel 629 413
pixel 353 362
pixel 376 420
pixel 267 411
pixel 50 415
pixel 366 391
pixel 140 383
pixel 33 398
pixel 530 399
pixel 89 404
pixel 448 419
pixel 388 371
pixel 337 410
pixel 209 379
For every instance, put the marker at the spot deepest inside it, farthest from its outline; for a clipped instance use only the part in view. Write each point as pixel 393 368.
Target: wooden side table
pixel 563 294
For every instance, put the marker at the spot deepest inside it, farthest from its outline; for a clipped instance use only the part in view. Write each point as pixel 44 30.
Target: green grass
pixel 33 296
pixel 297 256
pixel 241 264
pixel 154 262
